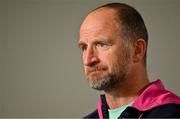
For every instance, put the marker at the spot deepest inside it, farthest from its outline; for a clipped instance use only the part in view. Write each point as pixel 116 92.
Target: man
pixel 113 41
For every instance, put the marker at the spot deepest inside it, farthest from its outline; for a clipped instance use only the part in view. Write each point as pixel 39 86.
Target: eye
pixel 101 45
pixel 82 47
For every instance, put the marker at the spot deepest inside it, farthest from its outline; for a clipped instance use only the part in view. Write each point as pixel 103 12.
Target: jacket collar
pixel 155 95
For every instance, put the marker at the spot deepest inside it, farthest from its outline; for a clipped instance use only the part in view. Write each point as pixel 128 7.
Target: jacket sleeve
pixel 164 111
pixel 92 115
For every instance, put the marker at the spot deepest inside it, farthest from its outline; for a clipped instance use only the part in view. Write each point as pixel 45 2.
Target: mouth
pixel 95 71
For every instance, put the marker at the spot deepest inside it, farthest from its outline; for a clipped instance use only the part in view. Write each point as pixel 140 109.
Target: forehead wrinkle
pixel 95 30
pixel 98 34
pixel 98 25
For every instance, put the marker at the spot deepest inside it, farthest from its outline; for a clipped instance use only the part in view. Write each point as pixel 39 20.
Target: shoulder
pixel 94 114
pixel 164 111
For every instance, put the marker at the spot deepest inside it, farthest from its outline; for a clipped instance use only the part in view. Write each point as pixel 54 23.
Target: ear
pixel 140 47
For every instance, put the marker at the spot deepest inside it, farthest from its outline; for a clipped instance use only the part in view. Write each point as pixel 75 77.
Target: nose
pixel 90 57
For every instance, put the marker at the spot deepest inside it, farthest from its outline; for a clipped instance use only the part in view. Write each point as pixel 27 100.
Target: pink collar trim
pixel 100 109
pixel 155 95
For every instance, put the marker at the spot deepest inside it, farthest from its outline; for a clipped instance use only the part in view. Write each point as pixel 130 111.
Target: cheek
pixel 84 69
pixel 83 58
pixel 108 60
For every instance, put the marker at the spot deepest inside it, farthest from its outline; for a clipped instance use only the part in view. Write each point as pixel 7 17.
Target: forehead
pixel 100 22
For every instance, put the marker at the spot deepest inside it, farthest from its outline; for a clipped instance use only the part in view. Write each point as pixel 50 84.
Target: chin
pixel 100 84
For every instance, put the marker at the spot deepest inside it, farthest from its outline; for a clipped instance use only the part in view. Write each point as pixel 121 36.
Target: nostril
pixel 94 59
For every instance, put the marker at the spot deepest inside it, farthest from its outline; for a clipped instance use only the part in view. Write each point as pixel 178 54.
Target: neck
pixel 127 91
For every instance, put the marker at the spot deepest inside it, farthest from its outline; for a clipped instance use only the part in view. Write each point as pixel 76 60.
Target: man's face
pixel 106 59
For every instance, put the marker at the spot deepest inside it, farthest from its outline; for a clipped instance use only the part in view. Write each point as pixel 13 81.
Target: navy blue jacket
pixel 154 102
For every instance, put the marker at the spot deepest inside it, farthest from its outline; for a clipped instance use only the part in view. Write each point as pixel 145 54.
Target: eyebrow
pixel 80 43
pixel 101 40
